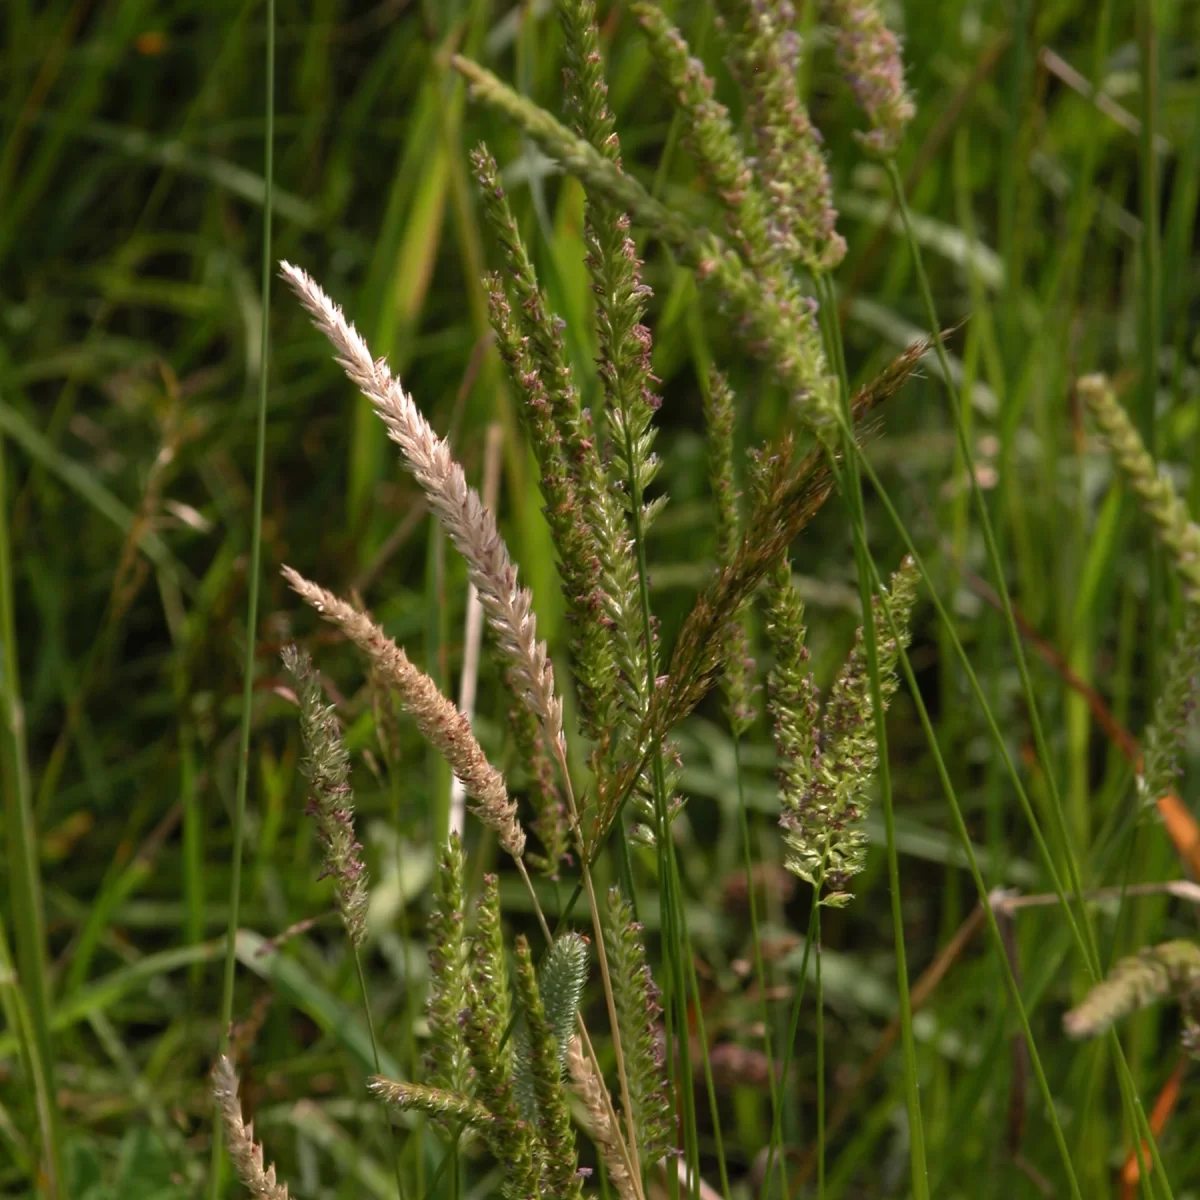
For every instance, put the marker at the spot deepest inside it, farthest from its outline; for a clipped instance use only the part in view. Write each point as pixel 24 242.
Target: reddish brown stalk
pixel 1164 1106
pixel 1178 821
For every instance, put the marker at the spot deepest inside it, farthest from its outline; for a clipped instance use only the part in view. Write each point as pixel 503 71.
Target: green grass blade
pixel 850 487
pixel 24 866
pixel 254 573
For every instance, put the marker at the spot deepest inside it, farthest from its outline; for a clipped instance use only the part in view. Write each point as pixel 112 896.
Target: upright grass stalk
pixel 1149 306
pixel 1085 932
pixel 851 489
pixel 1134 1105
pixel 253 569
pixel 675 939
pixel 720 420
pixel 327 767
pixel 981 888
pixel 820 1006
pixel 1090 952
pixel 25 883
pixel 601 954
pixel 775 1143
pixel 759 968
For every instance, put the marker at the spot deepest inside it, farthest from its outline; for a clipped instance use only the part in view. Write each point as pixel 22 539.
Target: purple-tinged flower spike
pixel 868 53
pixel 720 418
pixel 791 162
pixel 327 768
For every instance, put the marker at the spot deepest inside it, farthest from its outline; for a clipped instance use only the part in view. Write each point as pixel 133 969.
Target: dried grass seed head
pixel 467 521
pixel 436 717
pixel 244 1152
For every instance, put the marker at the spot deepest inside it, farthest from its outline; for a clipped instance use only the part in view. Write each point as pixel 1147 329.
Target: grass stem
pixel 253 573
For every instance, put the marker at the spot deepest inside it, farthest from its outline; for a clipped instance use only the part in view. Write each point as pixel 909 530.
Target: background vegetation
pixel 1059 227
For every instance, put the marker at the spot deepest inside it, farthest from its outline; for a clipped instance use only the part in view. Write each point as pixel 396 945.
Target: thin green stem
pixel 362 987
pixel 981 887
pixel 585 872
pixel 851 490
pixel 702 1037
pixel 985 708
pixel 410 1005
pixel 820 999
pixel 630 1152
pixel 1090 951
pixel 1085 932
pixel 1149 315
pixel 25 882
pixel 254 573
pixel 759 967
pixel 676 945
pixel 776 1140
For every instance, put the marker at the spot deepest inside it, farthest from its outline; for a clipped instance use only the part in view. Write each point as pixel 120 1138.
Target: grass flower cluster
pixel 497 1068
pixel 536 1036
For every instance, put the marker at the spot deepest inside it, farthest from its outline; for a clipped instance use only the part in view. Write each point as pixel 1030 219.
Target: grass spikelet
pixel 539 330
pixel 868 53
pixel 711 137
pixel 541 1053
pixel 792 700
pixel 788 497
pixel 849 753
pixel 716 146
pixel 1158 972
pixel 1159 499
pixel 489 969
pixel 565 446
pixel 586 88
pixel 435 716
pixel 826 761
pixel 621 515
pixel 450 1107
pixel 486 1018
pixel 448 1064
pixel 638 1012
pixel 245 1153
pixel 467 522
pixel 1161 739
pixel 327 768
pixel 789 157
pixel 780 325
pixel 550 824
pixel 589 1087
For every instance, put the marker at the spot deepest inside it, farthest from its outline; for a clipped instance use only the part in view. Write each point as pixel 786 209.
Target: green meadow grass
pixel 161 457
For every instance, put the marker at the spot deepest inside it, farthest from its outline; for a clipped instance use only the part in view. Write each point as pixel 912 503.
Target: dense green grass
pixel 1061 236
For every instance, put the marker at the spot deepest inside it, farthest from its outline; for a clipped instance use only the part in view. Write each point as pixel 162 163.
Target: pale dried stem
pixel 1003 900
pixel 473 628
pixel 588 1084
